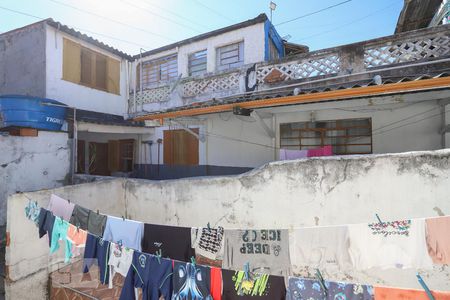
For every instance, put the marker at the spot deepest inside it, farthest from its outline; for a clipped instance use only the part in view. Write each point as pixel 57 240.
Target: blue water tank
pixel 26 111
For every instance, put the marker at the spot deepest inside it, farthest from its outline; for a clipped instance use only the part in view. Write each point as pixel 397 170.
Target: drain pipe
pixel 159 141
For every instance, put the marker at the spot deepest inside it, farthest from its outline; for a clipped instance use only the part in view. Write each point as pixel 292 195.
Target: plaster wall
pixel 288 194
pixel 32 163
pixel 76 95
pixel 22 61
pixel 27 257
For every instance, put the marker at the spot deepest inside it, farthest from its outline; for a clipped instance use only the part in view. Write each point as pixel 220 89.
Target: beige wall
pixel 311 192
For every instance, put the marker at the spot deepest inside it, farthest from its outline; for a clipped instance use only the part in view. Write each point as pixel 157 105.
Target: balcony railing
pixel 406 48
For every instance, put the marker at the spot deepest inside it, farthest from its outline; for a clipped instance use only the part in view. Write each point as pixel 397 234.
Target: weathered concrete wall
pixel 27 257
pixel 22 61
pixel 32 163
pixel 312 192
pixel 289 194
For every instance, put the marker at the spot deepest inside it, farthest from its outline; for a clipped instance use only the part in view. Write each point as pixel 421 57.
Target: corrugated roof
pixel 289 91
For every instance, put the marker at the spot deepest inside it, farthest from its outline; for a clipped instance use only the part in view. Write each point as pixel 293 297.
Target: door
pixel 180 147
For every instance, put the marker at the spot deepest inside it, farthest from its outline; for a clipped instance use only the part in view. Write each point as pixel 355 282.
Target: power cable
pixel 214 11
pixel 158 15
pixel 78 28
pixel 347 24
pixel 313 13
pixel 113 20
pixel 174 13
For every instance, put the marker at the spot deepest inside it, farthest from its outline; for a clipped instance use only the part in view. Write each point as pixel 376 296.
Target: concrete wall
pixel 22 61
pixel 32 163
pixel 289 194
pixel 27 257
pixel 78 95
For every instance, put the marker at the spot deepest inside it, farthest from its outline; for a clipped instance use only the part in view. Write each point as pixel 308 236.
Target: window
pixel 230 56
pixel 273 51
pixel 159 71
pixel 351 136
pixel 197 63
pixel 86 67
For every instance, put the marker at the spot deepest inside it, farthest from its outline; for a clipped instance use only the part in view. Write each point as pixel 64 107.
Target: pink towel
pixel 60 207
pixel 324 151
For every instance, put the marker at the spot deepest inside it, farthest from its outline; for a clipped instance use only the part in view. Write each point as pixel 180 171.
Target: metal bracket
pixel 200 137
pixel 266 128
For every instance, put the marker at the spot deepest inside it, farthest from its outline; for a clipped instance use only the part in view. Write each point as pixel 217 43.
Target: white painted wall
pixel 32 163
pixel 253 37
pixel 80 96
pixel 289 194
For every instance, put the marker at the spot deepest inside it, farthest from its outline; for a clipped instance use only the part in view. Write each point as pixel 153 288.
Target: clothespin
pixel 78 228
pixel 425 287
pixel 193 261
pixel 321 281
pixel 68 200
pixel 247 271
pixel 209 226
pixel 119 243
pixel 379 220
pixel 158 255
pixel 97 211
pixel 123 218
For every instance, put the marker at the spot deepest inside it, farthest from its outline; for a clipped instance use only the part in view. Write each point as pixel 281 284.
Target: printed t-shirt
pixel 399 244
pixel 385 293
pixel 300 288
pixel 97 250
pixel 32 211
pixel 46 222
pixel 60 207
pixel 174 242
pixel 88 220
pixel 324 248
pixel 119 261
pixel 438 239
pixel 149 274
pixel 208 242
pixel 267 251
pixel 216 283
pixel 256 287
pixel 59 233
pixel 191 282
pixel 127 232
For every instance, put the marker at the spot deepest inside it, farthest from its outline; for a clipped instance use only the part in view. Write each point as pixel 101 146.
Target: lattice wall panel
pixel 302 69
pixel 211 85
pixel 159 94
pixel 400 52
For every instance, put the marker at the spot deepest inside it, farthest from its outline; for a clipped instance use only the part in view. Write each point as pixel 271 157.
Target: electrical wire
pixel 113 20
pixel 214 11
pixel 158 15
pixel 313 13
pixel 349 23
pixel 76 27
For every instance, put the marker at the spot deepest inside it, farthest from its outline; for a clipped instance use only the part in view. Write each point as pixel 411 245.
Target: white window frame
pixel 224 57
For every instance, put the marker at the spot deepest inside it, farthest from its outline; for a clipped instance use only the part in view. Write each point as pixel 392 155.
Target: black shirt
pixel 174 242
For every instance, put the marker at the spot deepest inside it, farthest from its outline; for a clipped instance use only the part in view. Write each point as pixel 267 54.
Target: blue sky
pixel 133 24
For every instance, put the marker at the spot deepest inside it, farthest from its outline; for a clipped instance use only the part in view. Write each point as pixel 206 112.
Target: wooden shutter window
pixel 71 61
pixel 87 65
pixel 113 75
pixel 100 71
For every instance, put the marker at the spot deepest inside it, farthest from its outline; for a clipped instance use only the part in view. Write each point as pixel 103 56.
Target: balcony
pixel 395 55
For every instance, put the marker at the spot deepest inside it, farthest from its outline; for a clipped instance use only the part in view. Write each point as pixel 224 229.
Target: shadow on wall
pixel 161 172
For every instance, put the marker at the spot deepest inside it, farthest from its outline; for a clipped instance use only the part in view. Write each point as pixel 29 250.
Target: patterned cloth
pixel 32 211
pixel 208 242
pixel 309 289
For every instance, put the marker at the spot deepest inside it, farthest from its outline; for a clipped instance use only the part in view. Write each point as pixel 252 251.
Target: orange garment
pixel 216 283
pixel 438 239
pixel 385 293
pixel 76 236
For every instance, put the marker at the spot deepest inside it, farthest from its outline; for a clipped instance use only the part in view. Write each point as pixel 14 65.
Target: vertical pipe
pixel 75 142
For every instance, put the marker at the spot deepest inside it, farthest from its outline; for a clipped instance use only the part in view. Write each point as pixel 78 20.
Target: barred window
pixel 197 63
pixel 159 71
pixel 350 136
pixel 230 56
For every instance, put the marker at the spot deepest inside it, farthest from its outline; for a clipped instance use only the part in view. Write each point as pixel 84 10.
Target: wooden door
pixel 180 147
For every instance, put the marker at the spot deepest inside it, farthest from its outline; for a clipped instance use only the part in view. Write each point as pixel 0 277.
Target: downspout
pixel 134 90
pixel 140 77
